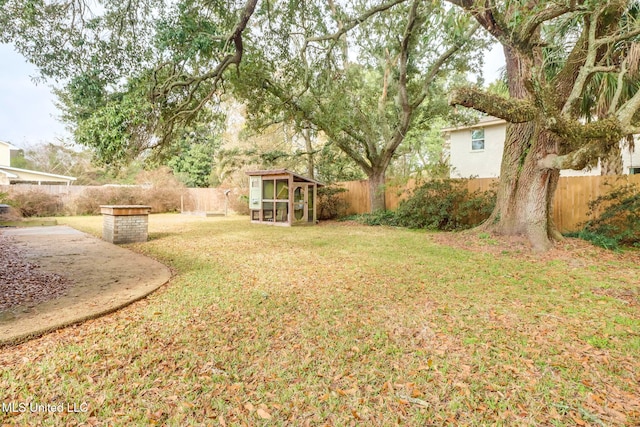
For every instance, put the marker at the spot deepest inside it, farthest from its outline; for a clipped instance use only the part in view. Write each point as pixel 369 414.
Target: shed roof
pixel 282 172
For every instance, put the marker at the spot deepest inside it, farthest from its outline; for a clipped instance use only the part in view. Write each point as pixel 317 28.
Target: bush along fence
pixel 571 208
pixel 56 200
pixel 617 221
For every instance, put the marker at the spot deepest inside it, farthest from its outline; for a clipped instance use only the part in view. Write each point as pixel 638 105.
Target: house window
pixel 634 170
pixel 477 139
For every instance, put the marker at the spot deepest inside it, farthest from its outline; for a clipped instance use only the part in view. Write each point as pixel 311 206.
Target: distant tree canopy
pixel 63 158
pixel 194 155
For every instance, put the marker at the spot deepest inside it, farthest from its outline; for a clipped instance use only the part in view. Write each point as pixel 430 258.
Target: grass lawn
pixel 341 325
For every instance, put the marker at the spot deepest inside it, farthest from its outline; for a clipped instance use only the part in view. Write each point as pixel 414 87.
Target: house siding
pixel 631 158
pixel 5 154
pixel 467 163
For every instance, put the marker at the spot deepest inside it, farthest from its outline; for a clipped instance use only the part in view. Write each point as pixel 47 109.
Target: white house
pixel 476 151
pixel 10 175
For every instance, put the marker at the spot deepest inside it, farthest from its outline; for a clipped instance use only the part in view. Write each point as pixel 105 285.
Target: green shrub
pixel 330 205
pixel 616 218
pixel 445 204
pixel 35 203
pixel 597 239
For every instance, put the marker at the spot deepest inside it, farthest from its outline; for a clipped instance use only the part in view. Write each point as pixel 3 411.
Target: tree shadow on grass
pixel 159 236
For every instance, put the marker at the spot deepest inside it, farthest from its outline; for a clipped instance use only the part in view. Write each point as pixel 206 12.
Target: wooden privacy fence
pixel 357 195
pixel 212 200
pixel 571 203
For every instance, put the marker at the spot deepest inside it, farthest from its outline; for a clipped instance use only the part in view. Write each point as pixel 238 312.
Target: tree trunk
pixel 611 164
pixel 309 147
pixel 525 192
pixel 377 200
pixel 552 230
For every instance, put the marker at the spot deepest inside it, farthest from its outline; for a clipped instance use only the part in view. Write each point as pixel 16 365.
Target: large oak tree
pixel 360 74
pixel 549 74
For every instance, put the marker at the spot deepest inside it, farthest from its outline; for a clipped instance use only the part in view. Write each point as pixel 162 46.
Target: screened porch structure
pixel 282 197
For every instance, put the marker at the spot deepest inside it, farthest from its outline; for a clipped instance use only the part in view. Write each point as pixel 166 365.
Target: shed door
pixel 255 192
pixel 300 203
pixel 310 202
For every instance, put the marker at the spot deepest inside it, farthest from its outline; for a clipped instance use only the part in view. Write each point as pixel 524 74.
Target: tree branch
pixel 607 129
pixel 528 29
pixel 619 87
pixel 510 109
pixel 325 127
pixel 437 65
pixel 235 38
pixel 587 66
pixel 579 159
pixel 406 109
pixel 346 27
pixel 487 15
pixel 627 112
pixel 618 37
pixel 412 23
pixel 382 100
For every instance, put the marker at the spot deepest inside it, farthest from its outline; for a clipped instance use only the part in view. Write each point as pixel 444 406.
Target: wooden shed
pixel 282 197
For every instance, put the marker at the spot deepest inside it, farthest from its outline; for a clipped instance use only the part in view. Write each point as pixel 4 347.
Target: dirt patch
pixel 629 295
pixel 100 277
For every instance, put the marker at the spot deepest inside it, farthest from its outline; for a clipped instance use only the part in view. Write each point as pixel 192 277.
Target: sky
pixel 27 111
pixel 28 115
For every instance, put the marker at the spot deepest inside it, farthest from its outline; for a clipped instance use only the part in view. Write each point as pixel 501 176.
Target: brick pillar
pixel 125 223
